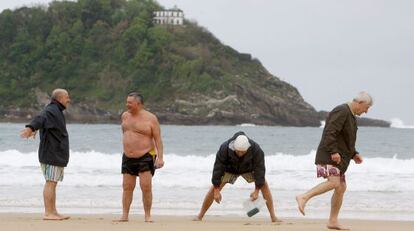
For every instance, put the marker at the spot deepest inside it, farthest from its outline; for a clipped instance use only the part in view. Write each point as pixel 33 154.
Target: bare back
pixel 137 133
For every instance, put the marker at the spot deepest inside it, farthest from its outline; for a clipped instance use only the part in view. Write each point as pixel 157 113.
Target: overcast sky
pixel 329 49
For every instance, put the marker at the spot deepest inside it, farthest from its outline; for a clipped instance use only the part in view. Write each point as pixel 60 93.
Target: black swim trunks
pixel 134 166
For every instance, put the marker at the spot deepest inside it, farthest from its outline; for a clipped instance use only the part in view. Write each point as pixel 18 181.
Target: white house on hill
pixel 171 17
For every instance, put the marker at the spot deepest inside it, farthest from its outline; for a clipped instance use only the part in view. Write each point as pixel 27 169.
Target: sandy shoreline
pixel 33 222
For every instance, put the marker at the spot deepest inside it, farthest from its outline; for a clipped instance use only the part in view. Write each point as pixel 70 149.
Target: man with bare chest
pixel 143 153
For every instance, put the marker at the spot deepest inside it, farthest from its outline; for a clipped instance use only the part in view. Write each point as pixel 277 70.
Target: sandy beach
pixel 33 222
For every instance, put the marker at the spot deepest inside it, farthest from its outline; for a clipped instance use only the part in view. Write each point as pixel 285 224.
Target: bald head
pixel 62 96
pixel 58 92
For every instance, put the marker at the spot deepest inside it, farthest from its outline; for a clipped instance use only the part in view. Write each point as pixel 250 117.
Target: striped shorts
pixel 51 172
pixel 231 177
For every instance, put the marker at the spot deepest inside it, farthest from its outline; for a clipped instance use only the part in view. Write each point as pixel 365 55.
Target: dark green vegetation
pixel 100 50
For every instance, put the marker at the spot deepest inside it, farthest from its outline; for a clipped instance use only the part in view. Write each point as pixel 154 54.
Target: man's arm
pixel 123 117
pixel 218 171
pixel 35 124
pixel 219 166
pixel 333 128
pixel 258 171
pixel 156 133
pixel 357 158
pixel 259 167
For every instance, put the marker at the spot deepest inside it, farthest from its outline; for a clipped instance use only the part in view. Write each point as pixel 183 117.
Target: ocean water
pixel 380 188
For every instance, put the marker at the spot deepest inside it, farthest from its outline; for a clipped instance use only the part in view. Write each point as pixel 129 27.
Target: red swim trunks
pixel 325 170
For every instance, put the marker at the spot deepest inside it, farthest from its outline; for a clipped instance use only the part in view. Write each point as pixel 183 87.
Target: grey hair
pixel 364 97
pixel 137 97
pixel 58 92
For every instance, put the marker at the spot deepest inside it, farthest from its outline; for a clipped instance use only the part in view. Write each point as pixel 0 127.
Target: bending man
pixel 238 156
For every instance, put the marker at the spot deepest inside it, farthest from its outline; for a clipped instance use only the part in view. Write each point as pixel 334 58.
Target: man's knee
pixel 145 182
pixel 128 186
pixel 341 188
pixel 335 185
pixel 334 182
pixel 146 187
pixel 265 188
pixel 51 184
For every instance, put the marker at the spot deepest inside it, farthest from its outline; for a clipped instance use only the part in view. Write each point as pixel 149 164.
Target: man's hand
pixel 254 195
pixel 358 159
pixel 27 132
pixel 217 195
pixel 159 163
pixel 336 158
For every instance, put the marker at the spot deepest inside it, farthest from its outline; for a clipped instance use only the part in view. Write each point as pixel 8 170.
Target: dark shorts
pixel 133 166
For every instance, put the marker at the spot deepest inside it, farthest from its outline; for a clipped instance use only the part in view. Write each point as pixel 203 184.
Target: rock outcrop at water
pixel 361 121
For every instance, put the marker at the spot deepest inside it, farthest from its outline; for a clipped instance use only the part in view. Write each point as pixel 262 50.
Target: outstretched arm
pixel 35 124
pixel 27 132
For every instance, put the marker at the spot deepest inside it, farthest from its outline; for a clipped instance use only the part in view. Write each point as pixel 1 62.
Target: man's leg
pixel 331 183
pixel 267 195
pixel 336 203
pixel 145 182
pixel 208 200
pixel 49 199
pixel 128 186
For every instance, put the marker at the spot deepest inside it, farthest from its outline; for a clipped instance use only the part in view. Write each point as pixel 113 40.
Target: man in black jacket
pixel 53 148
pixel 335 151
pixel 239 156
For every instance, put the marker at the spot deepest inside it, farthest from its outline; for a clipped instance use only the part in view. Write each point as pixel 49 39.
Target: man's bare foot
pixel 275 219
pixel 148 219
pixel 196 218
pixel 301 204
pixel 54 217
pixel 63 216
pixel 122 219
pixel 336 227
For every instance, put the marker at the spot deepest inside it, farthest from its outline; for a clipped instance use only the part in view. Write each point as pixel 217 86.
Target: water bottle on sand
pixel 253 207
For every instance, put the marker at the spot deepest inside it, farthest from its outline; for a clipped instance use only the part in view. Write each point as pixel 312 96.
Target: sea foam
pixel 398 123
pixel 283 171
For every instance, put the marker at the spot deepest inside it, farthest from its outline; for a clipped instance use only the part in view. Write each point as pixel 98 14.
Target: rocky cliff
pixel 102 50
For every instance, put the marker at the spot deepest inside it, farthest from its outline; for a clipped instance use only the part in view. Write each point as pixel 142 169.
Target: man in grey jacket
pixel 238 156
pixel 53 148
pixel 335 151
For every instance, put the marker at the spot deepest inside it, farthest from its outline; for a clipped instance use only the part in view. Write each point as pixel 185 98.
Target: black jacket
pixel 339 136
pixel 228 161
pixel 54 139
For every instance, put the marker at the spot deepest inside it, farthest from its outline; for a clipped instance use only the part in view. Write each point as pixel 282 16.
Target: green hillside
pixel 102 49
